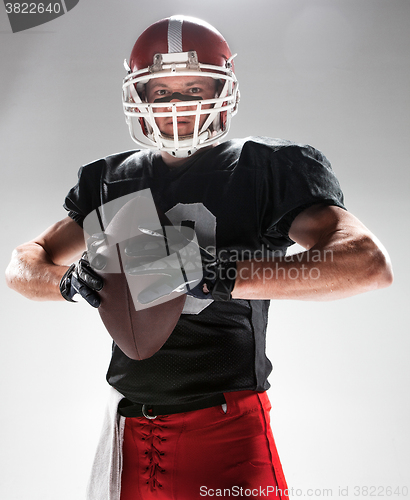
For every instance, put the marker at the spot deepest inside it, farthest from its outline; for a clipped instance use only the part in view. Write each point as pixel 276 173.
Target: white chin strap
pixel 185 147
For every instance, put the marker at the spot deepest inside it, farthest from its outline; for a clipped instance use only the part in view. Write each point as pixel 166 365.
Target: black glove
pixel 218 280
pixel 82 279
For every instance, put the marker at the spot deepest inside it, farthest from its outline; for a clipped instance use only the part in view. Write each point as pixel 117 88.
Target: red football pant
pixel 204 453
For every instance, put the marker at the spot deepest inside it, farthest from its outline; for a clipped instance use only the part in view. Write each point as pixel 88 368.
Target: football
pixel 139 329
pixel 138 333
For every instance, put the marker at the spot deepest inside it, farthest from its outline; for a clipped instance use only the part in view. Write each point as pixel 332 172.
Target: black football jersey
pixel 240 196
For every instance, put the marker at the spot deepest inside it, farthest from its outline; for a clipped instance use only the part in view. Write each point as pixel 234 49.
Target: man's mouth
pixel 180 121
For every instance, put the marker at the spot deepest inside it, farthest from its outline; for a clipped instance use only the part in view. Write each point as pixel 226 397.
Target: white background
pixel 331 73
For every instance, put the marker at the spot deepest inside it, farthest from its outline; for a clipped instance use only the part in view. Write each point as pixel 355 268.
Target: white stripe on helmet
pixel 175 34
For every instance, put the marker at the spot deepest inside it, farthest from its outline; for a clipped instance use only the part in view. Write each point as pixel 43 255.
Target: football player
pixel 193 418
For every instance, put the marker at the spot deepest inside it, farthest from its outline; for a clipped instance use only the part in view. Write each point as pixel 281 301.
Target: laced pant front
pixel 204 453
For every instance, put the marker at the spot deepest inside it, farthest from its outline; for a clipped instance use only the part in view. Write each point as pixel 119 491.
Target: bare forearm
pixel 33 274
pixel 345 266
pixel 36 267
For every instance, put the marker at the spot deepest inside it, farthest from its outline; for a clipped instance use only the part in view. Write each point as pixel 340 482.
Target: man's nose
pixel 181 108
pixel 176 96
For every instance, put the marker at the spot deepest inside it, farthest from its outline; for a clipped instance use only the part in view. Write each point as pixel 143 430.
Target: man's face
pixel 192 86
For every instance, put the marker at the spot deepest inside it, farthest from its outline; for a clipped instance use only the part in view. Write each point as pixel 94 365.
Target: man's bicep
pixel 319 223
pixel 63 241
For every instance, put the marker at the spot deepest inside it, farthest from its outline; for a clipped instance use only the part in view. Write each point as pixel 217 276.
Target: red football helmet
pixel 180 46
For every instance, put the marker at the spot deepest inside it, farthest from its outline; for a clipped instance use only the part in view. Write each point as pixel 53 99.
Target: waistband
pixel 127 408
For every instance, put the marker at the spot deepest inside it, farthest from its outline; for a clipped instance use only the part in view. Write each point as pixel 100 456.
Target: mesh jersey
pixel 242 196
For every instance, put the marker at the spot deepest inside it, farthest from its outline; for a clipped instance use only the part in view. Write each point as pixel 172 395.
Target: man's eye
pixel 195 90
pixel 161 92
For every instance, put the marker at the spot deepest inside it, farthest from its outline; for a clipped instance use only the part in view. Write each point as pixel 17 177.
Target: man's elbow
pixel 18 272
pixel 378 268
pixel 12 270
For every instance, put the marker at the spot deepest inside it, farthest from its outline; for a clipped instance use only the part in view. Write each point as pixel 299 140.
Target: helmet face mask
pixel 211 116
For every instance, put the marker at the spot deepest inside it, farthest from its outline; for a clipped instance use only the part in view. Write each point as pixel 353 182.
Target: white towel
pixel 105 479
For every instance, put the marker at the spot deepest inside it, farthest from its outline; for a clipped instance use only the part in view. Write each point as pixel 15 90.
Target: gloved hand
pixel 218 280
pixel 81 277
